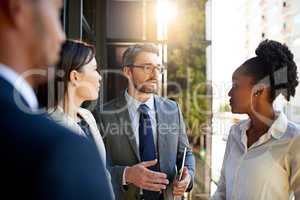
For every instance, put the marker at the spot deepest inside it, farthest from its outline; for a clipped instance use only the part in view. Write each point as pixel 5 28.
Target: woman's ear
pixel 74 77
pixel 259 89
pixel 258 93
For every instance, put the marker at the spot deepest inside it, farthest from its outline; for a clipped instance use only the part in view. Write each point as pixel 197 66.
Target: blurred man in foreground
pixel 39 159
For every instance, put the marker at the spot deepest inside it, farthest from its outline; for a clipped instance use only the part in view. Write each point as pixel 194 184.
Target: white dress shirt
pixel 268 170
pixel 20 84
pixel 133 106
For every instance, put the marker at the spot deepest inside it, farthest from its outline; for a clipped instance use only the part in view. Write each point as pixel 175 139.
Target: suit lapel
pixel 166 136
pixel 125 121
pixel 161 117
pixel 94 131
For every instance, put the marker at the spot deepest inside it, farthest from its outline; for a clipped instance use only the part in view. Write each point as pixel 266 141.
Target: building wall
pixel 278 20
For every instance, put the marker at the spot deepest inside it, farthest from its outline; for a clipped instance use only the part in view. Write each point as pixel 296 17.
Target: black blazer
pixel 41 160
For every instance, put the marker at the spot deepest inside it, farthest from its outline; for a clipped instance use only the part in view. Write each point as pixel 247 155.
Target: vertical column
pixel 74 19
pixel 209 92
pixel 64 15
pixel 101 48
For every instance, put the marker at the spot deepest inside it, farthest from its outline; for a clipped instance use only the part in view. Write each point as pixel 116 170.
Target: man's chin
pixel 148 90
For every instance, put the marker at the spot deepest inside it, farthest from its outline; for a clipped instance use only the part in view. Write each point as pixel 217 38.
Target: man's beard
pixel 144 89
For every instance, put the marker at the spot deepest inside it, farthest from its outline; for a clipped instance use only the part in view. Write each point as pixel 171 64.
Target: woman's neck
pixel 261 120
pixel 71 105
pixel 262 117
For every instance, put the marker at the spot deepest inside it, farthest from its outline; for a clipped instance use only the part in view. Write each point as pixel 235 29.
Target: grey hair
pixel 131 52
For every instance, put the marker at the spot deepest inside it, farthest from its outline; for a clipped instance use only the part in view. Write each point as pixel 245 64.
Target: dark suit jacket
pixel 115 124
pixel 41 160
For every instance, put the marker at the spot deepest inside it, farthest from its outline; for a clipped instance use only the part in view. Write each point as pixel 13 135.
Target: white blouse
pixel 268 170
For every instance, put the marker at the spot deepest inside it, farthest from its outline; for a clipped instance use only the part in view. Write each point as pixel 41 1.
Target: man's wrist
pixel 189 180
pixel 190 183
pixel 124 181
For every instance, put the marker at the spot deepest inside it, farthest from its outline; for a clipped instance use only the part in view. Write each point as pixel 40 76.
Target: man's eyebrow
pixel 158 64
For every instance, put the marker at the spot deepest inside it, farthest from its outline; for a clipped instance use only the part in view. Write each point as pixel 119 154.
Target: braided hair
pixel 274 63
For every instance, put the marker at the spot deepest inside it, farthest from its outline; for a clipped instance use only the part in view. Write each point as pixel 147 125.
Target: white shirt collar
pixel 135 104
pixel 277 129
pixel 279 126
pixel 20 84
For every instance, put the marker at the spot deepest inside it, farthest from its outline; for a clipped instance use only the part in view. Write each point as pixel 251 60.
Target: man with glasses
pixel 145 135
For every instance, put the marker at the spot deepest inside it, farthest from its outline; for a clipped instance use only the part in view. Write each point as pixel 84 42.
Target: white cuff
pixel 123 179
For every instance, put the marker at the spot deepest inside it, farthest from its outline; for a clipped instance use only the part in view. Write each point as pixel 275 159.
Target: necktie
pixel 147 146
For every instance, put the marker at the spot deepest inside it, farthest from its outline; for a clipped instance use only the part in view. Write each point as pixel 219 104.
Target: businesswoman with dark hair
pixel 262 156
pixel 76 80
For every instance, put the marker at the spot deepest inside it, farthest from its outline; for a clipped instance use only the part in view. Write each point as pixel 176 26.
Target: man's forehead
pixel 147 57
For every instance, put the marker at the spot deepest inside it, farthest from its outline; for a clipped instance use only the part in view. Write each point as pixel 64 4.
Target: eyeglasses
pixel 148 68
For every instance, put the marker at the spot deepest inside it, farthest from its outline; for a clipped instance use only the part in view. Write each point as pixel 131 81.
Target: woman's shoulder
pixel 236 131
pixel 61 118
pixel 237 128
pixel 292 129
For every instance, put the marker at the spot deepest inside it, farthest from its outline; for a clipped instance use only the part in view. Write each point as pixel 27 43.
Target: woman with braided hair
pixel 262 156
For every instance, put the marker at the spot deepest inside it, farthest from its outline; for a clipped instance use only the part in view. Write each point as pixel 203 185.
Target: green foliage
pixel 225 108
pixel 186 63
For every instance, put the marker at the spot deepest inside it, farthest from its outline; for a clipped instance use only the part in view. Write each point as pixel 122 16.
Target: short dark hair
pixel 274 62
pixel 73 56
pixel 131 52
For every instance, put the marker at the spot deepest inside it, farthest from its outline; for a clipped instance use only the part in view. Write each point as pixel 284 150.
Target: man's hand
pixel 179 187
pixel 144 178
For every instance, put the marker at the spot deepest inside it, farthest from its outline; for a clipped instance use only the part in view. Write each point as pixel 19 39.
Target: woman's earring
pixel 256 93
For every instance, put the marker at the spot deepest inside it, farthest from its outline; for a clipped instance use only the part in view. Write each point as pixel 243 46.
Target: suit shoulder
pixel 110 104
pixel 40 129
pixel 166 102
pixel 49 126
